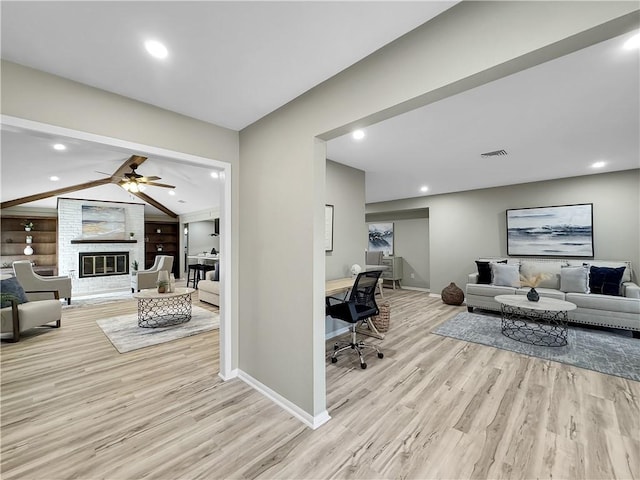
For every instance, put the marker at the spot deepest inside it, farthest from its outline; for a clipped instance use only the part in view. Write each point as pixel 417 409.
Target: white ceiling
pixel 554 120
pixel 231 63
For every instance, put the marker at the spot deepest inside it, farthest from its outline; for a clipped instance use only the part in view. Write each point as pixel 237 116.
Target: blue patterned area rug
pixel 599 350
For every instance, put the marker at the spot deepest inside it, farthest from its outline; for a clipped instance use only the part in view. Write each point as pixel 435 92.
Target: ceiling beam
pixel 53 193
pixel 126 166
pixel 156 204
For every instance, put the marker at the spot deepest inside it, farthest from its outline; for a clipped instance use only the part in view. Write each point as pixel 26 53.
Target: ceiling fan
pixel 131 181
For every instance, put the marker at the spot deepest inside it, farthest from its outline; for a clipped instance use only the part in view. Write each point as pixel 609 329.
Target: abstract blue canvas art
pixel 102 222
pixel 563 231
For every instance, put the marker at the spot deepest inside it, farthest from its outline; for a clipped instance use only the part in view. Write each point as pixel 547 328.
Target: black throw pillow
pixel 484 271
pixel 605 280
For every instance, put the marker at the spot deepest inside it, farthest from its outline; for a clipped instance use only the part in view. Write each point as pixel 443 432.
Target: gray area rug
pixel 598 350
pixel 125 335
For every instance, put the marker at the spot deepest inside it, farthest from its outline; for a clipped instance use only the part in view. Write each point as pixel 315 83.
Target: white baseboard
pixel 435 295
pixel 310 421
pixel 232 374
pixel 417 289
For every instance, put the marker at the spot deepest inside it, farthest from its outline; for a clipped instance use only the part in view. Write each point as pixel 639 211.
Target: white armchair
pixel 148 278
pixel 18 317
pixel 32 282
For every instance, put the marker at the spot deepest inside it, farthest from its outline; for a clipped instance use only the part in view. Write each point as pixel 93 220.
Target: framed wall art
pixel 560 231
pixel 381 238
pixel 328 228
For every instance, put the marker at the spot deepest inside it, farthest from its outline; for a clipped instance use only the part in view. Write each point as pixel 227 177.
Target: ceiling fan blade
pixel 136 160
pixel 155 184
pixel 147 179
pixel 103 173
pixel 154 203
pixel 53 193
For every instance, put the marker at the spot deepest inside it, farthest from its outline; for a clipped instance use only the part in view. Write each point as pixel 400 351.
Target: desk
pixel 343 285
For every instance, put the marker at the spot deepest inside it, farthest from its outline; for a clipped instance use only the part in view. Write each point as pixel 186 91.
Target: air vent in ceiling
pixel 496 153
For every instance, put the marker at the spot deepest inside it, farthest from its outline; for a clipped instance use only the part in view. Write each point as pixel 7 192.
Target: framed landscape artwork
pixel 102 222
pixel 381 238
pixel 562 231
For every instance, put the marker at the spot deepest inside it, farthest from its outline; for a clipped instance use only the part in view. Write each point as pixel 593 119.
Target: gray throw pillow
pixel 574 279
pixel 505 275
pixel 11 290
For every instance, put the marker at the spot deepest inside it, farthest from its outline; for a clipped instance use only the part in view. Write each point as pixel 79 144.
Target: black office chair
pixel 361 305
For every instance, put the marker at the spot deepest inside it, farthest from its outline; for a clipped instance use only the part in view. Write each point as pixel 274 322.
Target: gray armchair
pixel 40 285
pixel 148 278
pixel 18 317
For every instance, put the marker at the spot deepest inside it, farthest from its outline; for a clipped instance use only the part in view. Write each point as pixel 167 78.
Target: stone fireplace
pixel 107 260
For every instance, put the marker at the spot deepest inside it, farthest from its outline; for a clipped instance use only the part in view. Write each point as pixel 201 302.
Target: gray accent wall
pixel 467 225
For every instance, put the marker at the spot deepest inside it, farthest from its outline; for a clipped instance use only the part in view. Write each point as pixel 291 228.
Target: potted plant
pixel 162 286
pixel 28 225
pixel 134 267
pixel 131 235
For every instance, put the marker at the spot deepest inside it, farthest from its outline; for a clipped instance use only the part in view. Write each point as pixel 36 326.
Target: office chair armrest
pixel 338 300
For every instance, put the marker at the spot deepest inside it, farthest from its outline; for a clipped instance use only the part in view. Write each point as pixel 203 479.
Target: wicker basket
pixel 381 321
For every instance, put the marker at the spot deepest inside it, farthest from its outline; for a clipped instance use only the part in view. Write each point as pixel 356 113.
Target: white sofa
pixel 209 290
pixel 621 311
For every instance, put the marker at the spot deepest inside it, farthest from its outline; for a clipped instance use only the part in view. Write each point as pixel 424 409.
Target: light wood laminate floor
pixel 434 407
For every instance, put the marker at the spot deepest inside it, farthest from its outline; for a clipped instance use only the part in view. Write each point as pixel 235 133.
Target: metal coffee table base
pixel 164 312
pixel 535 327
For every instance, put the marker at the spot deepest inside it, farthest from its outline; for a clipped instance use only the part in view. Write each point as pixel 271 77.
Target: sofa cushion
pixel 11 290
pixel 482 290
pixel 605 280
pixel 604 302
pixel 505 275
pixel 530 269
pixel 574 279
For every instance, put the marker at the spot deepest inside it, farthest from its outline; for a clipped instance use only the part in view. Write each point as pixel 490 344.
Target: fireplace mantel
pixel 97 240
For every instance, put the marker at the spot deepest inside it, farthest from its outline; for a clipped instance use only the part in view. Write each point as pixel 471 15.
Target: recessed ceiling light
pixel 633 42
pixel 171 192
pixel 53 178
pixel 598 164
pixel 358 134
pixel 156 49
pixel 215 175
pixel 424 188
pixel 59 146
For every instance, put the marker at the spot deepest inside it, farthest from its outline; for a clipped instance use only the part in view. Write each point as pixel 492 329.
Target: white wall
pixel 200 239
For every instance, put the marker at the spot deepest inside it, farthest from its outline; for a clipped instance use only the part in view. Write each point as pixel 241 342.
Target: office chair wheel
pixel 363 365
pixel 380 355
pixel 335 347
pixel 334 359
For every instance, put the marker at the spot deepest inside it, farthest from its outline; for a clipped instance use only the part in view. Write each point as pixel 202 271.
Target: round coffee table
pixel 163 309
pixel 537 323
